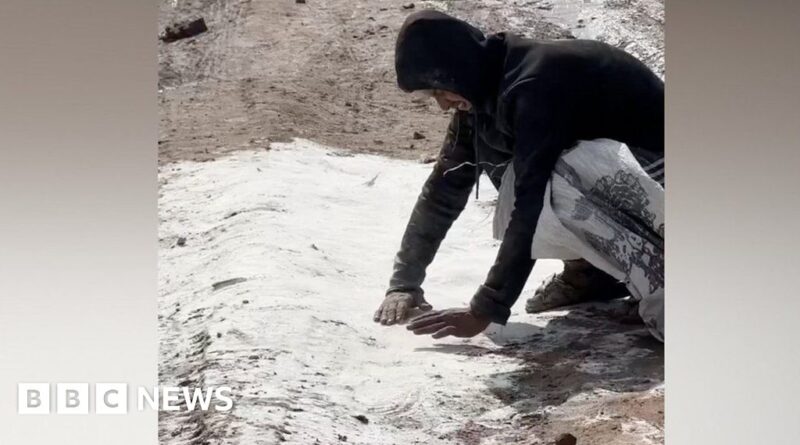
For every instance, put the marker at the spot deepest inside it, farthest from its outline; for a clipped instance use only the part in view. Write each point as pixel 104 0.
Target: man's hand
pixel 397 306
pixel 458 322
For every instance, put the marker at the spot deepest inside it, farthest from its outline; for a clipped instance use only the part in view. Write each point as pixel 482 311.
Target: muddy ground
pixel 270 70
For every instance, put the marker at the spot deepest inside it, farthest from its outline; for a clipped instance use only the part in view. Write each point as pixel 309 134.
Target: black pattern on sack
pixel 625 207
pixel 629 251
pixel 625 192
pixel 583 209
pixel 623 196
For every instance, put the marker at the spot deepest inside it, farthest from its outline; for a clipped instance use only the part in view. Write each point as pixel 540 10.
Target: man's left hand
pixel 458 322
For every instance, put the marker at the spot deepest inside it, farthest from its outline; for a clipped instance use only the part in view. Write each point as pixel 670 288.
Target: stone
pixel 566 439
pixel 184 30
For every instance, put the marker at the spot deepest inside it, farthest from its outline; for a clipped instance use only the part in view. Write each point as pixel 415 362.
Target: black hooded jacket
pixel 531 100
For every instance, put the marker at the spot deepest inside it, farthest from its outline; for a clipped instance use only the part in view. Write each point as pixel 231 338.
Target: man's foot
pixel 579 282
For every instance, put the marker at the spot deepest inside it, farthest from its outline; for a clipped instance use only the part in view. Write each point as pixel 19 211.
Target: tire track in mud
pixel 192 357
pixel 187 427
pixel 229 17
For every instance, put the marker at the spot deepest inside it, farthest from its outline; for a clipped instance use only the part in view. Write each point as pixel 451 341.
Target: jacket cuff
pixel 416 291
pixel 486 303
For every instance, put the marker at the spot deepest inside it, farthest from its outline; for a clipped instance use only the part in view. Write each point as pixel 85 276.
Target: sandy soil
pixel 295 337
pixel 269 70
pixel 264 287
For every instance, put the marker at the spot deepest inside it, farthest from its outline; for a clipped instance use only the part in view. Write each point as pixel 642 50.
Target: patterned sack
pixel 604 204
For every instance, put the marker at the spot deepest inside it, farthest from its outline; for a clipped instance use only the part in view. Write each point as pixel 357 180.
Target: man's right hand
pixel 397 306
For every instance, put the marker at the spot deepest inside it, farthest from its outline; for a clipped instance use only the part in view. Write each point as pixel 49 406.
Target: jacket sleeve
pixel 539 119
pixel 444 195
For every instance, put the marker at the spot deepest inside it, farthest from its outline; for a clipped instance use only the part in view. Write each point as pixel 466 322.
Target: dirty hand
pixel 458 322
pixel 397 306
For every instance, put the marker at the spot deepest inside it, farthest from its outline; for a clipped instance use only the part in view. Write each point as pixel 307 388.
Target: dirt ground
pixel 270 70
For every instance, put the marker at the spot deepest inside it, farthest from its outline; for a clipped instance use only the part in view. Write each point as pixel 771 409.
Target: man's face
pixel 448 100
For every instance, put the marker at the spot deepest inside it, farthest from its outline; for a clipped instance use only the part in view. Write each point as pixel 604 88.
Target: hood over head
pixel 437 51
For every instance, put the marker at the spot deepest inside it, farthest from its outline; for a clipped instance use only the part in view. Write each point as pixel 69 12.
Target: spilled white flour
pixel 306 236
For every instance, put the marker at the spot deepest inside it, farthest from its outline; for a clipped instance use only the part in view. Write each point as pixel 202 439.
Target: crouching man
pixel 572 135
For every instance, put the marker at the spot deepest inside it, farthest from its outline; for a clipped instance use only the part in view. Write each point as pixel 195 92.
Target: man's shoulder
pixel 539 65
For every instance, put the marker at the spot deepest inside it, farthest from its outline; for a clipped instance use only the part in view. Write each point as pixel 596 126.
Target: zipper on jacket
pixel 475 127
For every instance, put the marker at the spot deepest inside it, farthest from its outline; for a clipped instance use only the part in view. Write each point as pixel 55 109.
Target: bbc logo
pixel 72 398
pixel 112 398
